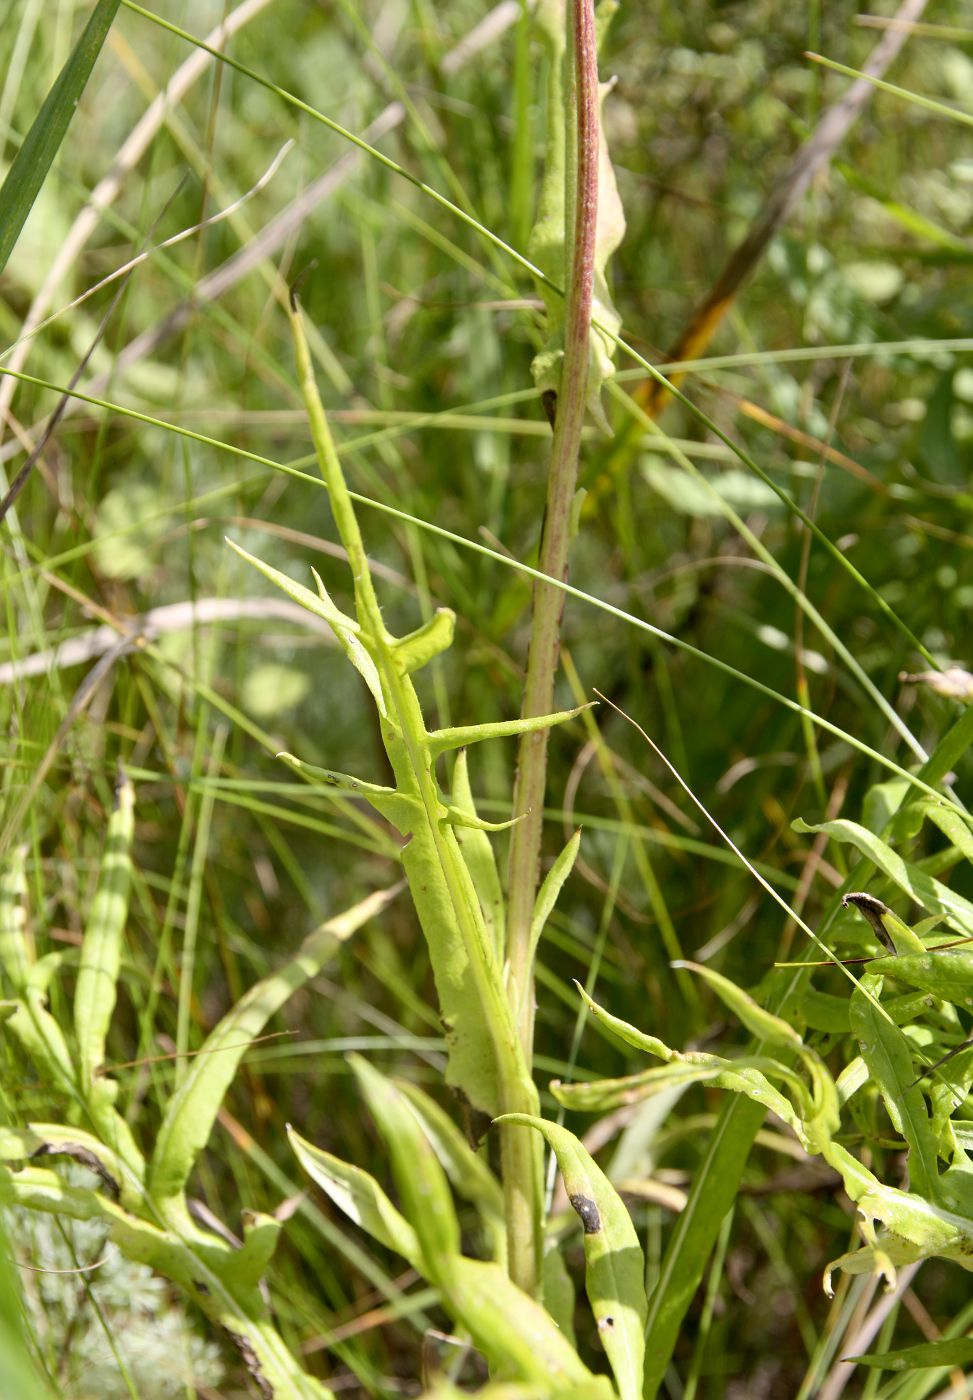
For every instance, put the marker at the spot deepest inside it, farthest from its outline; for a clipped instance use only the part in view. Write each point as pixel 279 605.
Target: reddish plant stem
pixel 581 175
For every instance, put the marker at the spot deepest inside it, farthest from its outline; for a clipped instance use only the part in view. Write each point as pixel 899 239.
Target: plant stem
pixel 581 215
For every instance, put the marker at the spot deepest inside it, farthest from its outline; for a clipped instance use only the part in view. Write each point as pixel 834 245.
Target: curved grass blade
pixel 614 1262
pixel 36 155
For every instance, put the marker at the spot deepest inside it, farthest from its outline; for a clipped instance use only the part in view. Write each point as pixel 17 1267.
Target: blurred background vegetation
pixel 425 337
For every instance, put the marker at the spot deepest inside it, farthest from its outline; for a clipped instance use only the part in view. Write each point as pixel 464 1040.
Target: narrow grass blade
pixel 614 1262
pixel 36 155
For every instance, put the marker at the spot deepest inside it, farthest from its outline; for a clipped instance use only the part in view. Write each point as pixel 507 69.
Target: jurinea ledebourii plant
pixel 141 1199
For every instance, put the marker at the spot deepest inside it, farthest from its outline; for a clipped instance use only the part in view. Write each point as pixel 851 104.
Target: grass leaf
pixel 40 146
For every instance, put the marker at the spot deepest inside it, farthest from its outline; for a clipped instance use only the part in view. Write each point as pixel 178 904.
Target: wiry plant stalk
pixel 581 176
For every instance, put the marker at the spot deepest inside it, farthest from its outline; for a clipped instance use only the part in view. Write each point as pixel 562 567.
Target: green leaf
pixel 614 1262
pixel 550 889
pixel 889 929
pixel 416 650
pixel 929 893
pixel 950 1352
pixel 715 1189
pixel 467 1170
pixel 423 1189
pixel 192 1110
pixel 101 950
pixel 515 1334
pixel 400 810
pixel 360 1197
pixel 443 740
pixel 15 959
pixel 321 606
pixel 479 857
pixel 885 1051
pixel 946 973
pixel 760 1023
pixel 36 155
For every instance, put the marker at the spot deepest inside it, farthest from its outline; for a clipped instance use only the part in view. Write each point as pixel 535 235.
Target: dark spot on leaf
pixel 606 1324
pixel 549 403
pixel 81 1154
pixel 590 1215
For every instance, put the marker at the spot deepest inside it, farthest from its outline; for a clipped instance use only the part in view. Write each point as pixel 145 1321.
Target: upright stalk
pixel 581 216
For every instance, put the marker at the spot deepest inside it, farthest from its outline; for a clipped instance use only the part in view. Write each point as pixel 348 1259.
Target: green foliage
pixel 778 666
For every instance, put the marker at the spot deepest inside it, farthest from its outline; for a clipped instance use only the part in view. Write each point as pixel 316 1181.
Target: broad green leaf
pixel 951 1352
pixel 44 1042
pixel 15 960
pixel 760 1023
pixel 917 1228
pixel 360 1197
pixel 36 155
pixel 101 950
pixel 614 1262
pixel 192 1110
pixel 116 1174
pixel 945 973
pixel 886 1052
pixel 559 1292
pixel 444 740
pixel 927 892
pixel 515 1334
pixel 481 861
pixel 423 1188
